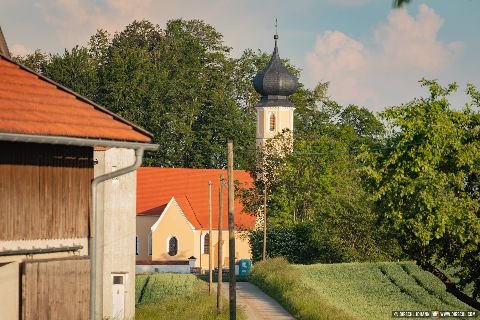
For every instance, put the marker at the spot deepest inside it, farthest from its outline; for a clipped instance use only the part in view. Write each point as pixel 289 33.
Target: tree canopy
pixel 426 181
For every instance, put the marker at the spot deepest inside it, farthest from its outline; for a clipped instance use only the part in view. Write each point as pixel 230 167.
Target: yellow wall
pixel 173 223
pixel 242 248
pixel 189 241
pixel 283 120
pixel 144 223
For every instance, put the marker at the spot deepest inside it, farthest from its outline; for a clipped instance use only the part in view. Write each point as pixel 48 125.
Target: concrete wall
pixel 283 120
pixel 162 268
pixel 117 200
pixel 171 269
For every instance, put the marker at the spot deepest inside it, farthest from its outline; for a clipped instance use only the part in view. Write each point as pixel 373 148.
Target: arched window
pixel 173 246
pixel 206 244
pixel 272 122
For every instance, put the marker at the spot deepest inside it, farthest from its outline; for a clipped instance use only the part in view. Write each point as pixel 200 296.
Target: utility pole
pixel 231 235
pixel 220 262
pixel 265 221
pixel 210 248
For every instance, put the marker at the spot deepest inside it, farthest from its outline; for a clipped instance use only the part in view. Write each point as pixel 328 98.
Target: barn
pixel 67 201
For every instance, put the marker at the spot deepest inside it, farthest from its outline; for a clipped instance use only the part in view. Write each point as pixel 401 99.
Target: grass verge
pixel 176 296
pixel 282 281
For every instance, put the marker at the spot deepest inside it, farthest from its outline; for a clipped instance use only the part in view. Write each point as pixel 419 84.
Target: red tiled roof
pixel 156 186
pixel 33 104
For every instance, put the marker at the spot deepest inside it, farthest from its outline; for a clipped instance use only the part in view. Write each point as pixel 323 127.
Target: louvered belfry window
pixel 272 122
pixel 173 246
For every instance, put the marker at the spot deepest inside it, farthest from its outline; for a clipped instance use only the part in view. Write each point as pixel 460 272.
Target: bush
pixel 294 242
pixel 320 242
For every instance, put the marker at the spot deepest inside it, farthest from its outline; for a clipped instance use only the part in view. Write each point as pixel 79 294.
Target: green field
pixel 353 290
pixel 175 296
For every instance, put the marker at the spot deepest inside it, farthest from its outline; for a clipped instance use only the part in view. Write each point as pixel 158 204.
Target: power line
pixel 353 151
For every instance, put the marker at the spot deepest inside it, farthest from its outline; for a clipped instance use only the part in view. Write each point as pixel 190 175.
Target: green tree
pixel 400 3
pixel 426 183
pixel 320 184
pixel 76 70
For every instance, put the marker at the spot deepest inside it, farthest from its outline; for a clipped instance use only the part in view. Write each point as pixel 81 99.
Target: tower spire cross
pixel 276 30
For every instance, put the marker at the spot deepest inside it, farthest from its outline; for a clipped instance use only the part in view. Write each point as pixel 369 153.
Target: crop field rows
pixel 374 290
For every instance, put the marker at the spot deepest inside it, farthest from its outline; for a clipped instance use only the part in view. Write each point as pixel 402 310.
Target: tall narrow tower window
pixel 272 122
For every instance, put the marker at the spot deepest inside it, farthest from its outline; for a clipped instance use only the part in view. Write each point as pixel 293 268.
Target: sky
pixel 371 54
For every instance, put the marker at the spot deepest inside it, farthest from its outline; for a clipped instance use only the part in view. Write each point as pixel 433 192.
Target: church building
pixel 172 203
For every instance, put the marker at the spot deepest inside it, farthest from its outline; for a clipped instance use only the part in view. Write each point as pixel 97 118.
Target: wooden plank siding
pixel 44 191
pixel 55 289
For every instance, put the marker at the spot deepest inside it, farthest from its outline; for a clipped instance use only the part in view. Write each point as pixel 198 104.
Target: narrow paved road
pixel 256 304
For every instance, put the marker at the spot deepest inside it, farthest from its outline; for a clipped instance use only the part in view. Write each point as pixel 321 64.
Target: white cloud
pixel 19 50
pixel 380 70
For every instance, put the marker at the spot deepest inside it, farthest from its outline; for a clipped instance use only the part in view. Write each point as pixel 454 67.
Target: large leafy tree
pixel 426 182
pixel 180 83
pixel 319 185
pixel 177 83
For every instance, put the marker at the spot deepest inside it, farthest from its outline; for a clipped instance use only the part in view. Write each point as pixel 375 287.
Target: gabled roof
pixel 172 202
pixel 189 187
pixel 32 104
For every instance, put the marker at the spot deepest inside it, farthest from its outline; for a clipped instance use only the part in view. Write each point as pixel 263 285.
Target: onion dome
pixel 275 82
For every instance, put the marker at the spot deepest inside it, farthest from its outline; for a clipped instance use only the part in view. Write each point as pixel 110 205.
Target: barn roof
pixel 189 187
pixel 31 104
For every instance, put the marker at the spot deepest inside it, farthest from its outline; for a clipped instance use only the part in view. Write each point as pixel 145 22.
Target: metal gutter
pixel 72 141
pixel 97 239
pixel 22 252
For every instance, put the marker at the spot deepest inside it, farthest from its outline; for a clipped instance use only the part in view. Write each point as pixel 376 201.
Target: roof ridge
pixel 188 200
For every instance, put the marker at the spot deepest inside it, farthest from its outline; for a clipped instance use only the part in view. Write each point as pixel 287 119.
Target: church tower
pixel 274 111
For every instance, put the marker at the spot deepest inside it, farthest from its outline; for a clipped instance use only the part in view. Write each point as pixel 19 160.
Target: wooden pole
pixel 265 221
pixel 210 248
pixel 220 262
pixel 231 235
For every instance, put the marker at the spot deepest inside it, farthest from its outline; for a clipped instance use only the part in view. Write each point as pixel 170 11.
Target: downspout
pixel 97 239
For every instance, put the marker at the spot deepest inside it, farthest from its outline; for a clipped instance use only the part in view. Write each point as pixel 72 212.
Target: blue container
pixel 244 266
